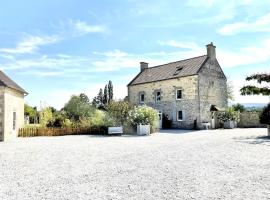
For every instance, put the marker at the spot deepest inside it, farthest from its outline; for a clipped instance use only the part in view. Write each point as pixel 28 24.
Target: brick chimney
pixel 144 66
pixel 211 51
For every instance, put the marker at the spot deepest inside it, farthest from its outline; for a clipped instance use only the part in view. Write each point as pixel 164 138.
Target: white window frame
pixel 156 96
pixel 176 94
pixel 140 96
pixel 177 116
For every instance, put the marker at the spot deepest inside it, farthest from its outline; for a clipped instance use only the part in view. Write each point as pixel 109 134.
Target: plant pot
pixel 143 129
pixel 229 124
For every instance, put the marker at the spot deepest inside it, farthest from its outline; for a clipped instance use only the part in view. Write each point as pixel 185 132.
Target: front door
pixel 160 119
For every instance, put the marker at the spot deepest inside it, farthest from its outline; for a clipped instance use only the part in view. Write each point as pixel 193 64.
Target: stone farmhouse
pixel 187 92
pixel 11 107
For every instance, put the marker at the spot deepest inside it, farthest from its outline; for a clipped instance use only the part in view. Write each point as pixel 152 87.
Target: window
pixel 14 120
pixel 178 70
pixel 141 97
pixel 180 115
pixel 178 94
pixel 158 96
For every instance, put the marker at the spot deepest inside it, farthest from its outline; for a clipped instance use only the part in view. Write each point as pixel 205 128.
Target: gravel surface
pixel 214 164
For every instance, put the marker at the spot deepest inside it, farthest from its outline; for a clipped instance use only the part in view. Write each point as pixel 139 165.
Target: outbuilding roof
pixel 172 70
pixel 7 82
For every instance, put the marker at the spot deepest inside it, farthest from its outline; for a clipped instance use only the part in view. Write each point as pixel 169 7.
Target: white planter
pixel 229 124
pixel 116 130
pixel 143 129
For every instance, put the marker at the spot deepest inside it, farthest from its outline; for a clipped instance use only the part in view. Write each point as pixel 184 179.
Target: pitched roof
pixel 7 82
pixel 172 70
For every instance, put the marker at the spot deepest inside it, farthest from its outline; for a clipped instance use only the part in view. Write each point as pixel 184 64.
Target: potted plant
pixel 143 118
pixel 265 118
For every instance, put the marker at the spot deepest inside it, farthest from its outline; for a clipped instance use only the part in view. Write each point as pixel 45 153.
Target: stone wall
pixel 1 113
pixel 250 120
pixel 13 102
pixel 168 104
pixel 212 88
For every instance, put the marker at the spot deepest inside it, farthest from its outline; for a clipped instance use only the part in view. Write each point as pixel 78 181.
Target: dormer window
pixel 178 70
pixel 158 96
pixel 178 94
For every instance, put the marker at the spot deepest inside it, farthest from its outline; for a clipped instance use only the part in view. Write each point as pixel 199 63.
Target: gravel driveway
pixel 219 164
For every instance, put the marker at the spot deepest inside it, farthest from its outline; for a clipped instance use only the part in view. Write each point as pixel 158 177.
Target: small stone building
pixel 11 107
pixel 187 92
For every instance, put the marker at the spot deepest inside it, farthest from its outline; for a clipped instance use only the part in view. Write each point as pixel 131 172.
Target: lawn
pixel 214 164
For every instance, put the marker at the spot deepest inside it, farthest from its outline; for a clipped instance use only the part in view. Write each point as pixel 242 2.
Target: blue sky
pixel 57 48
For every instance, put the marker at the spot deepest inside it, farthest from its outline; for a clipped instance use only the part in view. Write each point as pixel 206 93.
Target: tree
pixel 100 96
pixel 84 98
pixel 265 117
pixel 45 116
pixel 105 95
pixel 77 108
pixel 238 107
pixel 110 90
pixel 31 112
pixel 254 90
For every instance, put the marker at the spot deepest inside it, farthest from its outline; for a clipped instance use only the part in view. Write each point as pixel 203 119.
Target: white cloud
pixel 180 44
pixel 31 44
pixel 245 55
pixel 262 24
pixel 79 28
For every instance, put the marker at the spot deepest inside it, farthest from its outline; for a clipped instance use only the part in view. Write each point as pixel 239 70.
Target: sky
pixel 56 48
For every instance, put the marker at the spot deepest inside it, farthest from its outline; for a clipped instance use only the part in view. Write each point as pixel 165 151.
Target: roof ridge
pixel 176 61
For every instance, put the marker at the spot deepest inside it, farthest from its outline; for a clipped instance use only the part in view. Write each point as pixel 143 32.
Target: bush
pixel 228 115
pixel 265 115
pixel 101 119
pixel 119 111
pixel 143 115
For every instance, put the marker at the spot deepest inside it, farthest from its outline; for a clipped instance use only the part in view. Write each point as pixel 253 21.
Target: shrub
pixel 143 115
pixel 119 111
pixel 101 119
pixel 265 115
pixel 228 115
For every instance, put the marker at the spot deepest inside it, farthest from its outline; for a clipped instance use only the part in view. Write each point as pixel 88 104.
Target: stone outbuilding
pixel 11 107
pixel 185 91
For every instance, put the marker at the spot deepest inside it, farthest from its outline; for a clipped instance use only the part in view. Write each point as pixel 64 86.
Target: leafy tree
pixel 105 95
pixel 31 112
pixel 45 116
pixel 238 107
pixel 77 108
pixel 110 90
pixel 84 98
pixel 119 110
pixel 100 96
pixel 254 90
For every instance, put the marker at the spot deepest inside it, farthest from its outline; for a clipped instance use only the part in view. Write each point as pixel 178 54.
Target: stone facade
pixel 199 91
pixel 11 112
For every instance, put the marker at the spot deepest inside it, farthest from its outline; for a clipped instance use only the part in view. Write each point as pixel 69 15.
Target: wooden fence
pixel 41 131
